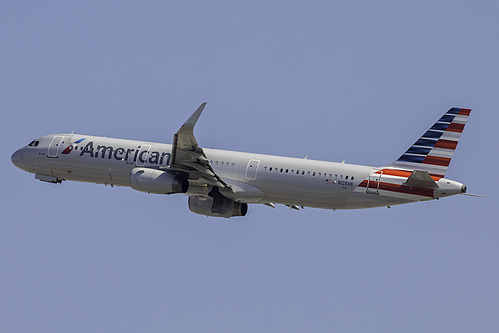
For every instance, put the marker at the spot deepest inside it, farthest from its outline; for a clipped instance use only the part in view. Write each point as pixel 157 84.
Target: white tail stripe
pixel 441 152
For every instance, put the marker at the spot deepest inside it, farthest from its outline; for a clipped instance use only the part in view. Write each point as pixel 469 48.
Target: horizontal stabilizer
pixel 474 195
pixel 420 178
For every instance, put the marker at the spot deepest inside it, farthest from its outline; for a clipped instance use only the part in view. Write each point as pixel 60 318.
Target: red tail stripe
pixel 446 144
pixel 465 112
pixel 454 127
pixel 436 160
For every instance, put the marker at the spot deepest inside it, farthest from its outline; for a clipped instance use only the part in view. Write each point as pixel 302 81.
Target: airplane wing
pixel 187 156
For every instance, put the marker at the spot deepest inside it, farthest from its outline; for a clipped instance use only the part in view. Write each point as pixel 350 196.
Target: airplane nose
pixel 17 158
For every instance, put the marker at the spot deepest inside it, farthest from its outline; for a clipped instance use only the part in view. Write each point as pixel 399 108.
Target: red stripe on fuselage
pixel 404 174
pixel 394 172
pixel 399 188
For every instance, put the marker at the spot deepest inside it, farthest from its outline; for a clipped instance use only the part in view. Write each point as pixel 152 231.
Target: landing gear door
pixel 54 146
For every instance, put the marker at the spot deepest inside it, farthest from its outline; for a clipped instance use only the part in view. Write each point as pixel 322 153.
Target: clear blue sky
pixel 358 81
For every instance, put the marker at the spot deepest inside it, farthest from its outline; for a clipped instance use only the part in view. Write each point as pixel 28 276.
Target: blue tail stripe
pixel 432 135
pixel 447 118
pixel 440 126
pixel 425 142
pixel 411 158
pixel 454 110
pixel 418 150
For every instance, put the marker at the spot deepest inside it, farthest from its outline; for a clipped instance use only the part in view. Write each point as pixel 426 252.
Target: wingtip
pixel 189 124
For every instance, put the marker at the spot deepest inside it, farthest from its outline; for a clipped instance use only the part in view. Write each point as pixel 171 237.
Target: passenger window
pixel 282 169
pixel 287 170
pixel 319 174
pixel 352 177
pixel 308 173
pixel 265 168
pixel 313 174
pixel 303 172
pixel 232 164
pixel 270 169
pixel 346 177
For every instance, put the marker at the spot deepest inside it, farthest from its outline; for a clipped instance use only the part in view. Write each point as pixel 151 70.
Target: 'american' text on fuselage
pixel 122 154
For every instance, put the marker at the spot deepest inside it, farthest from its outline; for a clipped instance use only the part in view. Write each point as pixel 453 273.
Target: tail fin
pixel 433 151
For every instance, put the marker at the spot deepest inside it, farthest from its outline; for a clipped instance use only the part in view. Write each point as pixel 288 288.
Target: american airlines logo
pixel 122 154
pixel 70 147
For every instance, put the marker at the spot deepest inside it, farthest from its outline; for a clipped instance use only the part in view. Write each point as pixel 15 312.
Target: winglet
pixel 188 126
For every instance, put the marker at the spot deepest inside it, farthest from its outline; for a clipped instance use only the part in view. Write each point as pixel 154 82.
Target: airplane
pixel 222 183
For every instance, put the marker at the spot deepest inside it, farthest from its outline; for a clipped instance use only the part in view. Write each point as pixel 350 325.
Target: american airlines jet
pixel 222 183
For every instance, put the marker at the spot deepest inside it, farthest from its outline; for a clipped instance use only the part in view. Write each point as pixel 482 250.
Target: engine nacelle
pixel 219 206
pixel 157 181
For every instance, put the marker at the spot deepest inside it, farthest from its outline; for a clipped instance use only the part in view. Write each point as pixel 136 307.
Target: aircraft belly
pixel 330 196
pixel 364 200
pixel 327 196
pixel 98 172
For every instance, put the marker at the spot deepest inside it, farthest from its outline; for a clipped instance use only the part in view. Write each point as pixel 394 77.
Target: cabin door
pixel 251 169
pixel 373 182
pixel 54 146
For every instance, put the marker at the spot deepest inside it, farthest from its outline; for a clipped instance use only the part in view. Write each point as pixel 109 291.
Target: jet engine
pixel 157 181
pixel 219 206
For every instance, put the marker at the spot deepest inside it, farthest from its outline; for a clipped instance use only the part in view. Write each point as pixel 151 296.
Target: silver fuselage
pixel 256 178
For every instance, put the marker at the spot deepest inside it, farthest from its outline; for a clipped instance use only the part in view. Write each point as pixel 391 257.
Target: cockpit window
pixel 34 143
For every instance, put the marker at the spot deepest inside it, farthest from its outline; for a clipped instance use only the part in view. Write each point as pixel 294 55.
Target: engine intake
pixel 157 181
pixel 218 206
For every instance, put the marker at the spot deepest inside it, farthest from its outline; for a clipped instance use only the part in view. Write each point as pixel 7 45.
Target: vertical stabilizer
pixel 434 150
